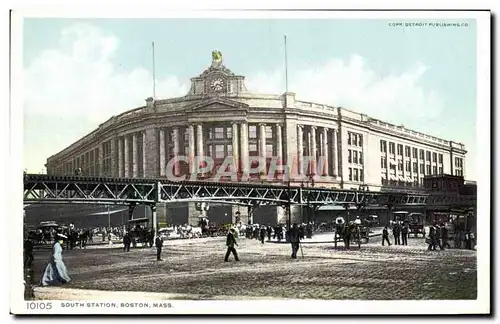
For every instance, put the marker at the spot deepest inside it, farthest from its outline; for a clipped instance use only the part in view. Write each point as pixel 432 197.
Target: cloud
pixel 395 97
pixel 72 88
pixel 79 84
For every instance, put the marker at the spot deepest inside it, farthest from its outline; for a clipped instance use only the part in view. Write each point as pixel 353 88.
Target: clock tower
pixel 217 80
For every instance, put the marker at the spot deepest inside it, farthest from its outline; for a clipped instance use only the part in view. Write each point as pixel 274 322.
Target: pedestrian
pixel 230 243
pixel 437 234
pixel 294 237
pixel 444 237
pixel 385 236
pixel 262 234
pixel 159 245
pixel 269 232
pixel 28 253
pixel 55 272
pixel 431 239
pixel 126 242
pixel 309 230
pixel 404 234
pixel 396 233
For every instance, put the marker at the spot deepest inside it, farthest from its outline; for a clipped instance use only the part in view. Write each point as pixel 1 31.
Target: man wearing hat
pixel 159 245
pixel 231 242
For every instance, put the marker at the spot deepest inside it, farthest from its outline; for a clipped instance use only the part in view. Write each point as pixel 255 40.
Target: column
pixel 162 152
pixel 244 147
pixel 279 143
pixel 262 144
pixel 126 157
pixel 113 172
pixel 151 163
pixel 324 151
pixel 335 153
pixel 119 141
pixel 300 148
pixel 191 149
pixel 314 150
pixel 175 138
pixel 144 156
pixel 235 147
pixel 199 140
pixel 101 160
pixel 135 163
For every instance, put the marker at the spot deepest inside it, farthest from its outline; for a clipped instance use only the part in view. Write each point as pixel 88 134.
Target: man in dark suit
pixel 126 242
pixel 231 242
pixel 294 240
pixel 159 245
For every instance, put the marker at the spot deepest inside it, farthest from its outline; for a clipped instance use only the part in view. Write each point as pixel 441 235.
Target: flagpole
pixel 154 72
pixel 286 68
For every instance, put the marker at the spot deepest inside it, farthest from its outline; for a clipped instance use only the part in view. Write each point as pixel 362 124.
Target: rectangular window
pixel 422 170
pixel 349 156
pixel 400 149
pixel 383 162
pixel 422 154
pixel 219 133
pixel 441 158
pixel 350 174
pixel 434 157
pixel 361 175
pixel 269 150
pixel 355 139
pixel 392 148
pixel 252 150
pixel 427 156
pixel 434 170
pixel 440 170
pixel 407 151
pixel 356 175
pixel 383 146
pixel 408 166
pixel 400 166
pixel 427 169
pixel 355 156
pixel 349 138
pixel 269 132
pixel 360 158
pixel 219 151
pixel 252 131
pixel 229 150
pixel 393 167
pixel 229 132
pixel 415 167
pixel 415 153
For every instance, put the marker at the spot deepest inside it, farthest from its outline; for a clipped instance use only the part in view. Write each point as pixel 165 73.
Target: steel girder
pixel 92 190
pixel 87 190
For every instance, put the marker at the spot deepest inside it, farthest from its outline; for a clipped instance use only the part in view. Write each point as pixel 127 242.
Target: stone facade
pixel 219 117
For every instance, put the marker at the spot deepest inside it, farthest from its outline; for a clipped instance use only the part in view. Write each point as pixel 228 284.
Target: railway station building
pixel 219 117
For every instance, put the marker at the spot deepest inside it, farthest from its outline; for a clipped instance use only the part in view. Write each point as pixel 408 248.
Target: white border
pixel 481 305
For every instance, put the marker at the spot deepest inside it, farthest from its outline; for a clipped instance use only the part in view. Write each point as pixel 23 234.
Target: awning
pixel 392 177
pixel 393 162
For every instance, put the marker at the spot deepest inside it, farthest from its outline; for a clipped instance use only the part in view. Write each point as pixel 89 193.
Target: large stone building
pixel 219 117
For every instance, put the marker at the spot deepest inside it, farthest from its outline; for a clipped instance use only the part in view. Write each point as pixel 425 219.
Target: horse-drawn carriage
pixel 414 221
pixel 351 233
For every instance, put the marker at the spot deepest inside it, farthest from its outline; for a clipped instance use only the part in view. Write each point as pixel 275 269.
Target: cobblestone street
pixel 195 269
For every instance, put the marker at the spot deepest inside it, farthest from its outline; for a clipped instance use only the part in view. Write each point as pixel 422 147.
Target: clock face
pixel 217 84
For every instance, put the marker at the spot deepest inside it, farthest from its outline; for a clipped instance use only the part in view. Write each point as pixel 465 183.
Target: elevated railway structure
pixel 50 189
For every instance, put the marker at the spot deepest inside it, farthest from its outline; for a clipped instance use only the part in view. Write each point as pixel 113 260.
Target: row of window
pixel 459 173
pixel 355 156
pixel 356 175
pixel 398 183
pixel 409 167
pixel 459 162
pixel 354 139
pixel 410 152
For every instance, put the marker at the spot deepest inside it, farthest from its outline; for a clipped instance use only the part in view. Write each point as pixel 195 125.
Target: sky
pixel 80 72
